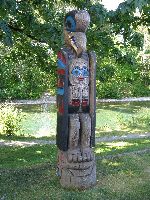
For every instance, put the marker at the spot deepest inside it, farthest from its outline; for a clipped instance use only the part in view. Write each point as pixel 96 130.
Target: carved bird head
pixel 75 26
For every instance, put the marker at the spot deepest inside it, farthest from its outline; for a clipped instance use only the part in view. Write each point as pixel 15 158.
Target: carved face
pixel 77 21
pixel 79 72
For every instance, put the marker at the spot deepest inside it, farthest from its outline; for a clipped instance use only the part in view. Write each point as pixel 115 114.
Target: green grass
pixel 23 138
pixel 39 121
pixel 111 119
pixel 117 147
pixel 18 157
pixel 29 173
pixel 122 118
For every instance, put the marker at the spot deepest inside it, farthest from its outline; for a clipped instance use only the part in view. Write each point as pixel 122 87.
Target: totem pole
pixel 76 102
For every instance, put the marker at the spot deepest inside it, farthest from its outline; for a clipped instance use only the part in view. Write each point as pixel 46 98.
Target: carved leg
pixel 74 154
pixel 74 126
pixel 76 167
pixel 86 137
pixel 86 130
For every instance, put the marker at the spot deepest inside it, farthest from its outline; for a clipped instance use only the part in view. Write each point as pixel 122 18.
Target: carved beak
pixel 74 44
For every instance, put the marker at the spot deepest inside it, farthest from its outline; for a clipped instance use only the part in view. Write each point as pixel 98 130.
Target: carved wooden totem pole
pixel 76 98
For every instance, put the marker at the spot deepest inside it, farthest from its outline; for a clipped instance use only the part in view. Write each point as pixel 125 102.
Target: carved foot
pixel 77 155
pixel 87 154
pixel 75 174
pixel 74 156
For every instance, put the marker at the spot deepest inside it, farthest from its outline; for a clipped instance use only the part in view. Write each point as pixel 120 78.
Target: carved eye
pixel 70 24
pixel 76 71
pixel 85 71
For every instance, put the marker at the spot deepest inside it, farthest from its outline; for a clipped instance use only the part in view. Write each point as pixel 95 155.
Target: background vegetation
pixel 39 121
pixel 10 119
pixel 31 34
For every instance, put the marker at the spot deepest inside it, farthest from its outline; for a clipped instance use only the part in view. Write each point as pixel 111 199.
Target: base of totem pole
pixel 76 174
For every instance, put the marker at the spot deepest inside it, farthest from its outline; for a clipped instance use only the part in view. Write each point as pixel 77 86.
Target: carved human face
pixel 79 72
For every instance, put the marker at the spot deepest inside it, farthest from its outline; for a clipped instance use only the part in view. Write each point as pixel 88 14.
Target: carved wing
pixel 62 100
pixel 92 62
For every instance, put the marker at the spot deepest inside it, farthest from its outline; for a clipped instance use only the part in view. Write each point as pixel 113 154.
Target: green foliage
pixel 26 78
pixel 7 38
pixel 137 40
pixel 10 119
pixel 27 68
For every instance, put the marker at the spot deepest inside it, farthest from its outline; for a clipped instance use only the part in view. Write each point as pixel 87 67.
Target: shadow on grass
pixel 29 173
pixel 128 108
pixel 25 138
pixel 122 108
pixel 17 157
pixel 30 182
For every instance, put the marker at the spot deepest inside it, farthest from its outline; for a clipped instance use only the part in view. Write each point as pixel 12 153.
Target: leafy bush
pixel 10 118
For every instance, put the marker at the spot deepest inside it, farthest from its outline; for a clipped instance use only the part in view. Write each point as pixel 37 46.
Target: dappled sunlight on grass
pixel 119 145
pixel 39 124
pixel 114 164
pixel 111 148
pixel 119 179
pixel 30 173
pixel 22 160
pixel 146 141
pixel 102 150
pixel 44 132
pixel 111 163
pixel 38 152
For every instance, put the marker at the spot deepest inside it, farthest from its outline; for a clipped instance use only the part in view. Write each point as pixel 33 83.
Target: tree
pixel 32 31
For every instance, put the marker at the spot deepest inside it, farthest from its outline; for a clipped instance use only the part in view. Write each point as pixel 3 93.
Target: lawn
pixel 111 119
pixel 30 173
pixel 122 118
pixel 122 172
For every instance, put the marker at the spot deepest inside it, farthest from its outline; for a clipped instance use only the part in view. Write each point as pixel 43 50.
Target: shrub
pixel 10 119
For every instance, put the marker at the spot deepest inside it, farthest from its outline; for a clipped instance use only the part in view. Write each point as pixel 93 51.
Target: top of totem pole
pixel 77 21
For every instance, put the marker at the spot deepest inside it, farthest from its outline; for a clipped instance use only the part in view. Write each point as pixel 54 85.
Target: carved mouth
pixel 80 79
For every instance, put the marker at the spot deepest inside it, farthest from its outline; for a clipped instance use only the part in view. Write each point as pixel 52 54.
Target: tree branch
pixel 23 32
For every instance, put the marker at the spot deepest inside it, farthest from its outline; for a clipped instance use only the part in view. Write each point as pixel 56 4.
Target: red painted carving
pixel 75 102
pixel 61 57
pixel 60 83
pixel 61 108
pixel 61 71
pixel 84 102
